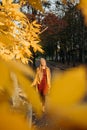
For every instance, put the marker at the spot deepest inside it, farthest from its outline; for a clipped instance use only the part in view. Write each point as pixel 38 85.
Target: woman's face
pixel 43 62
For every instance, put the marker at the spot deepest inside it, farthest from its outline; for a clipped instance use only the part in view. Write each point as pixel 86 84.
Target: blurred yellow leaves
pixel 83 7
pixel 65 101
pixel 71 83
pixel 11 121
pixel 5 2
pixel 20 74
pixel 5 80
pixel 75 117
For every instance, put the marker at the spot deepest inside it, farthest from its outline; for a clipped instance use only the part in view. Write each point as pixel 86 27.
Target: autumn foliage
pixel 66 107
pixel 17 33
pixel 54 24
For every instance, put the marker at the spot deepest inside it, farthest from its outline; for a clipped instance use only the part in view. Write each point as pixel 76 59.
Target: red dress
pixel 43 87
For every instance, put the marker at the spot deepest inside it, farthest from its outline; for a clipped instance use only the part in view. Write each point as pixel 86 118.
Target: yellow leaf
pixel 65 103
pixel 6 2
pixel 24 76
pixel 36 4
pixel 75 116
pixel 12 121
pixel 25 84
pixel 31 93
pixel 5 96
pixel 25 69
pixel 1 23
pixel 34 23
pixel 6 85
pixel 6 39
pixel 68 88
pixel 17 31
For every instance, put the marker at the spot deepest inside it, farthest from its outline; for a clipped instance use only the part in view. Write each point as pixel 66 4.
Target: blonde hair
pixel 42 60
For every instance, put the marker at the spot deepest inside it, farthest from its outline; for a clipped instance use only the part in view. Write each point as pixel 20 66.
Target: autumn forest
pixel 55 30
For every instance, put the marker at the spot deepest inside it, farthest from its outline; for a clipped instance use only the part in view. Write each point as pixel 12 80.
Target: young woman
pixel 42 80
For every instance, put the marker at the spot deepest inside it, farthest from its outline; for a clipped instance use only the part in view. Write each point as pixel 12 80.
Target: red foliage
pixel 54 24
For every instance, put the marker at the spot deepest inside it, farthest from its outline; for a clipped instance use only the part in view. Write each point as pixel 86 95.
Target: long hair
pixel 42 60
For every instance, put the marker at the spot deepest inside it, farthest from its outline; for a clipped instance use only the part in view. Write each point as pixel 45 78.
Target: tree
pixel 51 37
pixel 75 39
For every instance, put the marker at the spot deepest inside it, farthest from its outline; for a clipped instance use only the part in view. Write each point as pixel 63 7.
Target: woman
pixel 42 80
